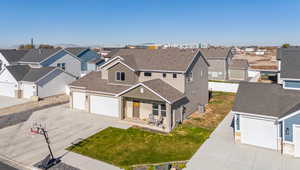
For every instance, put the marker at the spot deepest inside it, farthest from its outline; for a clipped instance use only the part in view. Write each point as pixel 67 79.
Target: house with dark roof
pixel 23 81
pixel 268 115
pixel 72 60
pixel 151 88
pixel 222 66
pixel 10 57
pixel 288 61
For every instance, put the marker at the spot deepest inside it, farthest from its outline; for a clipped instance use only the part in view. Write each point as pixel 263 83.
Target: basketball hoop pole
pixel 47 141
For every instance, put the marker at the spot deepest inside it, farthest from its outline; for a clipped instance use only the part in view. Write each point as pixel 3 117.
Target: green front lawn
pixel 136 146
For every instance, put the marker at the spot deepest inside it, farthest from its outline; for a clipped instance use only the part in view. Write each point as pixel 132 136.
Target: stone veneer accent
pixel 237 137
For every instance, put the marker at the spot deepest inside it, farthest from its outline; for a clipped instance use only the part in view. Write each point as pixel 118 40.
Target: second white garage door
pixel 259 132
pixel 7 89
pixel 79 100
pixel 107 106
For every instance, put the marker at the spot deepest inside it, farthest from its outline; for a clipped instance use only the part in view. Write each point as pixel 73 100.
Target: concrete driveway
pixel 220 152
pixel 64 127
pixel 10 101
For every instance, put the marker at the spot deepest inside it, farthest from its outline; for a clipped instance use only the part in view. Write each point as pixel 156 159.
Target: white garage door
pixel 7 89
pixel 79 100
pixel 258 132
pixel 29 90
pixel 107 106
pixel 296 139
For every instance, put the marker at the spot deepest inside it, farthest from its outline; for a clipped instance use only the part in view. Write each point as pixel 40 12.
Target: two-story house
pixel 153 88
pixel 268 115
pixel 219 60
pixel 72 60
pixel 288 66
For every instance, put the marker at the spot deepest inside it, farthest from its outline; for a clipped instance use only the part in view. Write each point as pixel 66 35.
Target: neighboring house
pixel 72 60
pixel 238 69
pixel 10 57
pixel 86 55
pixel 288 62
pixel 153 88
pixel 23 81
pixel 219 60
pixel 266 115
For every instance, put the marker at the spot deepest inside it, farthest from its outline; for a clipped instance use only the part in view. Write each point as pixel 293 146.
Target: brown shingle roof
pixel 164 89
pixel 215 52
pixel 94 82
pixel 170 59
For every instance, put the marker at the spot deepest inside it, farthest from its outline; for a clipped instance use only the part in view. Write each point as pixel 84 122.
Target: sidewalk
pixel 86 163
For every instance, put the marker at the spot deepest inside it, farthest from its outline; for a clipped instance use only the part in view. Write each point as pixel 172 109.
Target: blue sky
pixel 91 22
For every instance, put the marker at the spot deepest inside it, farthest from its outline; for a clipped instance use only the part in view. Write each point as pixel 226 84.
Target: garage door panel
pixel 107 106
pixel 296 139
pixel 79 100
pixel 7 89
pixel 258 132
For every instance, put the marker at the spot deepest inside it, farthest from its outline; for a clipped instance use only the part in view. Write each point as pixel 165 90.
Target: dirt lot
pixel 267 62
pixel 218 107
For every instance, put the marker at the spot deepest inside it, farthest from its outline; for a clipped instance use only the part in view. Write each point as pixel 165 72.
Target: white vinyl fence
pixel 224 87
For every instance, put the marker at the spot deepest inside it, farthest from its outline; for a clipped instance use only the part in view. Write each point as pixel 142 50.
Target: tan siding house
pixel 155 89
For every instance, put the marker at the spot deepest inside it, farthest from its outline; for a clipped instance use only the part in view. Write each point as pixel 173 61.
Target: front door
pixel 136 109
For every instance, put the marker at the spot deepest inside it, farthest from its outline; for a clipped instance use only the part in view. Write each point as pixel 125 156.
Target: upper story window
pixel 190 76
pixel 174 75
pixel 61 65
pixel 147 74
pixel 120 76
pixel 164 75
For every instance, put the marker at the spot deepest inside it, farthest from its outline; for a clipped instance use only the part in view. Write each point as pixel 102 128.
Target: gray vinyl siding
pixel 217 69
pixel 87 56
pixel 238 74
pixel 130 76
pixel 288 123
pixel 196 90
pixel 53 84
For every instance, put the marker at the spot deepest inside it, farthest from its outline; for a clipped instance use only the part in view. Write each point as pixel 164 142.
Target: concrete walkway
pixel 86 163
pixel 220 152
pixel 10 101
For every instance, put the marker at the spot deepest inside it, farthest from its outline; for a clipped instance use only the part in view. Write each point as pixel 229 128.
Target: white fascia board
pixel 255 115
pixel 290 115
pixel 111 60
pixel 141 84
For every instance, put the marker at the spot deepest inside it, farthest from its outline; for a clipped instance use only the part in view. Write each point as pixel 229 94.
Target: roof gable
pixel 76 50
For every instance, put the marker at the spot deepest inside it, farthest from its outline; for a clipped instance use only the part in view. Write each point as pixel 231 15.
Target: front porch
pixel 149 114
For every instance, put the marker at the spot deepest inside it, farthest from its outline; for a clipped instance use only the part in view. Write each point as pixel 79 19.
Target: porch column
pixel 169 117
pixel 121 107
pixel 71 99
